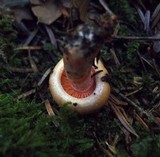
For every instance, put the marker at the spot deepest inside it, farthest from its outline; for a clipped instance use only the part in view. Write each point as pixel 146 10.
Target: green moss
pixel 123 10
pixel 8 37
pixel 25 129
pixel 147 146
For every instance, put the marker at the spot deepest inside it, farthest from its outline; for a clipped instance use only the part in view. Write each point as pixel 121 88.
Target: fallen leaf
pixel 82 7
pixel 47 12
pixel 22 14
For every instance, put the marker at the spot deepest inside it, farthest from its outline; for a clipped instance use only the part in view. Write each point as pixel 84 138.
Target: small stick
pixel 141 121
pixel 19 70
pixel 51 36
pixel 44 76
pixel 26 94
pixel 133 103
pixel 29 48
pixel 50 112
pixel 156 68
pixel 103 3
pixel 32 63
pixel 106 152
pixel 30 38
pixel 115 57
pixel 140 57
pixel 136 37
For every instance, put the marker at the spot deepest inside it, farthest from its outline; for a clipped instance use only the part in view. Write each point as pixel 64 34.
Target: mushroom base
pixel 89 104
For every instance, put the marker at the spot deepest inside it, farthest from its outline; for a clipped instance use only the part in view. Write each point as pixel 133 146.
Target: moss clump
pixel 26 130
pixel 7 36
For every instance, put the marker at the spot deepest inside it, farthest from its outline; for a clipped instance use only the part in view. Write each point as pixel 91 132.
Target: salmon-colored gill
pixel 76 78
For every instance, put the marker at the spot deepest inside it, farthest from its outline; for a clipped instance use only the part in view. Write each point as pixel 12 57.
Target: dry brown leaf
pixel 82 7
pixel 123 120
pixel 47 12
pixel 22 14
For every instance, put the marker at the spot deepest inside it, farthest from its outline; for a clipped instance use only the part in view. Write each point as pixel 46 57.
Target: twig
pixel 136 37
pixel 113 99
pixel 123 120
pixel 32 63
pixel 32 91
pixel 150 116
pixel 50 112
pixel 115 57
pixel 29 48
pixel 44 76
pixel 140 57
pixel 30 38
pixel 51 36
pixel 141 121
pixel 135 91
pixel 106 152
pixel 103 3
pixel 156 68
pixel 19 70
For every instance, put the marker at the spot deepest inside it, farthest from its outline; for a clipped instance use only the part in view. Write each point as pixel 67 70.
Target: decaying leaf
pixel 22 14
pixel 82 7
pixel 46 12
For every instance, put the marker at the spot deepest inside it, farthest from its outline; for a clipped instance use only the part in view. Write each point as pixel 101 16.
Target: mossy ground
pixel 27 130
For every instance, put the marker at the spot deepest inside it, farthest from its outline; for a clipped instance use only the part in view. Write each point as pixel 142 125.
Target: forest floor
pixel 31 44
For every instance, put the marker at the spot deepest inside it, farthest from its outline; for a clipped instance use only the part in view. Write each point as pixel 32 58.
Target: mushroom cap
pixel 89 104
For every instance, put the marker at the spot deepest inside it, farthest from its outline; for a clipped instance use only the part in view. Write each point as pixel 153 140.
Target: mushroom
pixel 75 80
